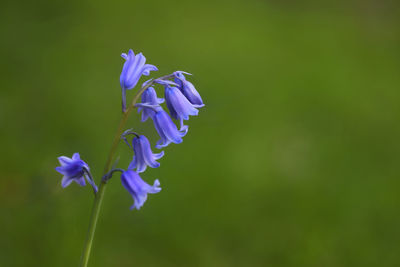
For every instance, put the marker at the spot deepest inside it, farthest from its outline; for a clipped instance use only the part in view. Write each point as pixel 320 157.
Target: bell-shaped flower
pixel 74 170
pixel 188 89
pixel 165 127
pixel 149 96
pixel 133 69
pixel 138 188
pixel 143 155
pixel 178 105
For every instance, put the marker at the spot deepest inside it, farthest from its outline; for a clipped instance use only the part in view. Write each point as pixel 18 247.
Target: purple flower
pixel 167 130
pixel 187 88
pixel 133 69
pixel 74 170
pixel 138 188
pixel 143 155
pixel 149 96
pixel 165 127
pixel 178 105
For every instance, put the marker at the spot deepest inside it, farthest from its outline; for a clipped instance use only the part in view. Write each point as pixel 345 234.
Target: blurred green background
pixel 294 161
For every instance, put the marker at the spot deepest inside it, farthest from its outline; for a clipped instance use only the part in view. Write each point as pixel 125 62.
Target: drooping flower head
pixel 165 127
pixel 167 130
pixel 133 69
pixel 149 96
pixel 138 188
pixel 74 170
pixel 178 105
pixel 188 89
pixel 143 155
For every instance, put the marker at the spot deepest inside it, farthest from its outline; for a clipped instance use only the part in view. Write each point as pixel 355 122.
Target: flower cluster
pixel 181 99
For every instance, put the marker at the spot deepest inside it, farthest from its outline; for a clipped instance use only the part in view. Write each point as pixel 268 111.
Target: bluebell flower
pixel 74 170
pixel 178 105
pixel 138 188
pixel 165 127
pixel 188 89
pixel 133 69
pixel 143 155
pixel 149 96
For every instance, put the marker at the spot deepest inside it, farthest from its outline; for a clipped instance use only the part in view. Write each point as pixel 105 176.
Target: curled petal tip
pixel 199 106
pixel 184 130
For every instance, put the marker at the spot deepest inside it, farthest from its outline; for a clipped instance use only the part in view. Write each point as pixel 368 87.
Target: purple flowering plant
pixel 181 99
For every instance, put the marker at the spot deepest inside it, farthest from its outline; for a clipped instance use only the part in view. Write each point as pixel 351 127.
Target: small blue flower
pixel 165 127
pixel 149 96
pixel 133 69
pixel 74 170
pixel 178 105
pixel 143 155
pixel 167 130
pixel 138 188
pixel 187 88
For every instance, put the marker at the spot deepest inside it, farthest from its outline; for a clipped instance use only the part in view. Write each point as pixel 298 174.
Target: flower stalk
pixel 182 101
pixel 100 194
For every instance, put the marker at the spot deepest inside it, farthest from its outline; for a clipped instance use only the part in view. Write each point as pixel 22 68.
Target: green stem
pixel 100 194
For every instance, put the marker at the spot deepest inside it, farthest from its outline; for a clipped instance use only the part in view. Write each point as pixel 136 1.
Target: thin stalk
pixel 100 194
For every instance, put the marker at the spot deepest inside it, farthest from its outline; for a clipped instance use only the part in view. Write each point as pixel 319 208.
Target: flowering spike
pixel 143 155
pixel 138 188
pixel 182 100
pixel 188 89
pixel 133 69
pixel 75 170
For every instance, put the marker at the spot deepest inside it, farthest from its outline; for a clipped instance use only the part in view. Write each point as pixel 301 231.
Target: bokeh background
pixel 294 161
